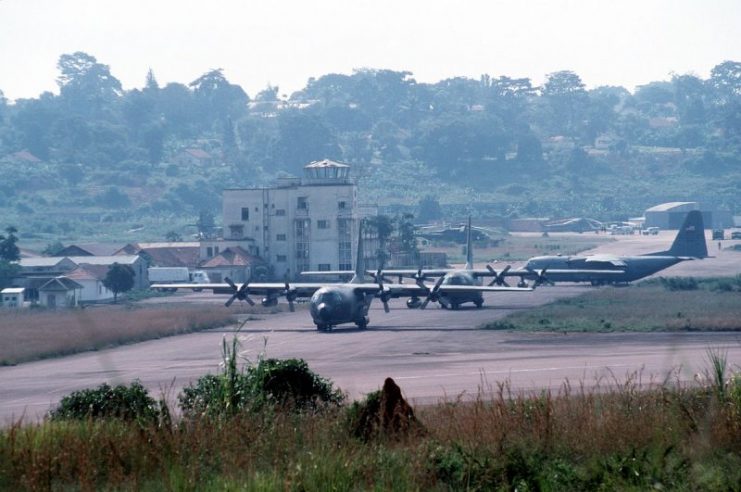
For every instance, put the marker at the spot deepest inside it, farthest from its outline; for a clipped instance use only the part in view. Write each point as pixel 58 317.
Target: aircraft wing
pixel 310 273
pixel 525 273
pixel 610 259
pixel 414 290
pixel 411 273
pixel 300 288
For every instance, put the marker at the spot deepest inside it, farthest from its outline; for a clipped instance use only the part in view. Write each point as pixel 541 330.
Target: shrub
pixel 291 382
pixel 678 283
pixel 120 402
pixel 286 383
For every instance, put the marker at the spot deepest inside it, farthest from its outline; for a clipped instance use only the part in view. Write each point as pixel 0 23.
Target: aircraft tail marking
pixel 690 240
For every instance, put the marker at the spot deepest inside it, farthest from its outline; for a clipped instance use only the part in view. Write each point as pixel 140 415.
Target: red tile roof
pixel 234 256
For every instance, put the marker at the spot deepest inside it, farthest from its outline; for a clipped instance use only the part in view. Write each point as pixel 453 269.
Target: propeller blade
pixel 245 294
pixel 541 278
pixel 290 296
pixel 493 274
pixel 234 288
pixel 383 292
pixel 432 294
pixel 502 277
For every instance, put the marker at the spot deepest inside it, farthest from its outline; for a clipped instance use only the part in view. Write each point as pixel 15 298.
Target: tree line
pixel 459 128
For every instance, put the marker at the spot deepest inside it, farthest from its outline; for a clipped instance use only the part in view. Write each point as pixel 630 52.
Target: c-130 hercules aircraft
pixel 339 303
pixel 600 269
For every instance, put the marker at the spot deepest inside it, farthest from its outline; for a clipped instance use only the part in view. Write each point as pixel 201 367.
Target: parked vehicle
pixel 176 275
pixel 719 234
pixel 736 235
pixel 653 231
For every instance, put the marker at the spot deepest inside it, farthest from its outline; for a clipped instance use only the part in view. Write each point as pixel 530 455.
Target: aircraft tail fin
pixel 359 276
pixel 469 246
pixel 690 240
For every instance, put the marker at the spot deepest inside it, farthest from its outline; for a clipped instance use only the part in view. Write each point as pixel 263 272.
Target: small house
pixel 12 297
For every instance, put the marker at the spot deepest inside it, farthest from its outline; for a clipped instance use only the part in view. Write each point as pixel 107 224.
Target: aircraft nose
pixel 323 311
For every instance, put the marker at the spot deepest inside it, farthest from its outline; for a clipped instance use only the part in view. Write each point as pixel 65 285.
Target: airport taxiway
pixel 432 354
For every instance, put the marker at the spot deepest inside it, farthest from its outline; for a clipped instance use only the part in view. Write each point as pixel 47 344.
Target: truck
pixel 176 275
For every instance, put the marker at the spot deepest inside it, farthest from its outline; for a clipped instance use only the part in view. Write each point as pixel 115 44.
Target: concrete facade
pixel 299 224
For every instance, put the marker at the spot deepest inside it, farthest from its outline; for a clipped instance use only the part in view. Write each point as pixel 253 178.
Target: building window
pixel 302 235
pixel 236 231
pixel 245 214
pixel 280 237
pixel 257 228
pixel 257 209
pixel 281 258
pixel 322 224
pixel 342 205
pixel 325 267
pixel 209 251
pixel 216 250
pixel 281 212
pixel 344 235
pixel 302 203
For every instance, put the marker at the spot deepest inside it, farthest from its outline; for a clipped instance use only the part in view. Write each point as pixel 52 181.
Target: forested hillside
pixel 99 160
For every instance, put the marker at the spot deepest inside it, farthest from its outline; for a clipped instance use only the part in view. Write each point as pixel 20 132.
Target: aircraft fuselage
pixel 632 268
pixel 461 277
pixel 333 305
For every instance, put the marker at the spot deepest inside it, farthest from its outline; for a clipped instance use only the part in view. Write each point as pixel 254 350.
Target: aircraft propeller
pixel 432 294
pixel 541 278
pixel 384 294
pixel 241 293
pixel 290 295
pixel 499 278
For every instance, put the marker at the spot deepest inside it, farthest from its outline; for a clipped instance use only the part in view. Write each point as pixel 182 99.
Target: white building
pixel 12 297
pixel 299 224
pixel 91 277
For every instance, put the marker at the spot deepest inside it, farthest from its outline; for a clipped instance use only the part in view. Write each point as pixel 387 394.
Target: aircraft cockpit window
pixel 328 297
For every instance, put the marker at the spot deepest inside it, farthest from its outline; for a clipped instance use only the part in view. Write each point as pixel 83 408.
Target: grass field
pixel 522 247
pixel 622 437
pixel 35 334
pixel 642 307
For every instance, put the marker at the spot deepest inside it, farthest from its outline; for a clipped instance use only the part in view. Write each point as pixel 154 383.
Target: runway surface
pixel 432 354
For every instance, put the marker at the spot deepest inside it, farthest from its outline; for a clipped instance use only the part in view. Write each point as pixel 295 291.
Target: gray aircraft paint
pixel 608 269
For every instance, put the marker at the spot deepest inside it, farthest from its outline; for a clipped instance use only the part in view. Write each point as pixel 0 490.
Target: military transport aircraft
pixel 602 269
pixel 339 303
pixel 452 281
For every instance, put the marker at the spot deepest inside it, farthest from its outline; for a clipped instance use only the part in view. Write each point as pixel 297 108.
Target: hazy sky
pixel 284 42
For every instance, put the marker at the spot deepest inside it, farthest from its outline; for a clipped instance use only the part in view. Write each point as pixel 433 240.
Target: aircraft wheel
pixel 455 306
pixel 479 304
pixel 363 323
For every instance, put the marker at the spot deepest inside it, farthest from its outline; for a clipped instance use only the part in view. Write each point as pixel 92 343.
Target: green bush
pixel 286 383
pixel 120 402
pixel 291 382
pixel 679 283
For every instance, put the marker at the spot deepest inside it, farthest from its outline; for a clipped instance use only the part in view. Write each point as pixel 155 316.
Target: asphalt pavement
pixel 433 354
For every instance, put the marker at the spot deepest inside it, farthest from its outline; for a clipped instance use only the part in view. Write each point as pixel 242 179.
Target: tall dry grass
pixel 29 334
pixel 619 436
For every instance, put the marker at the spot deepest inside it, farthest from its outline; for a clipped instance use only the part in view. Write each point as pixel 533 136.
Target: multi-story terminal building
pixel 300 224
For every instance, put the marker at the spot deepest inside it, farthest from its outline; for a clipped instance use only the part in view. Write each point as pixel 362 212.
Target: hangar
pixel 671 215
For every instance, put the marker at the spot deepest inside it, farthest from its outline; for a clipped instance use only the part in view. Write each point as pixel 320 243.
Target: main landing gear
pixel 362 323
